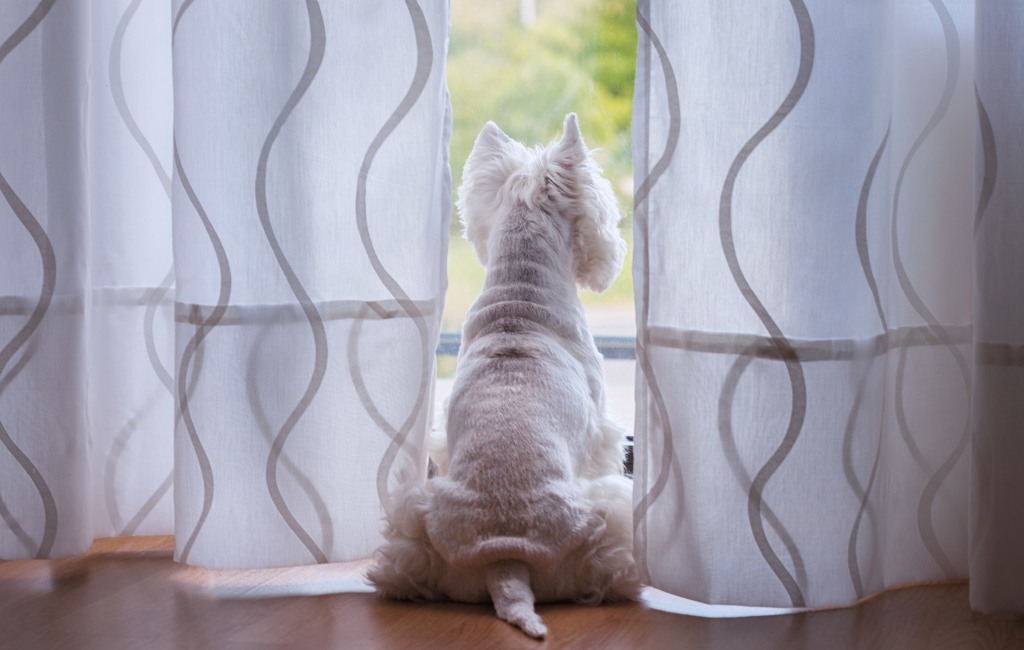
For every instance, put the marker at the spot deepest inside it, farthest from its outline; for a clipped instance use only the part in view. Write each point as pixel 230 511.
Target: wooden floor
pixel 128 593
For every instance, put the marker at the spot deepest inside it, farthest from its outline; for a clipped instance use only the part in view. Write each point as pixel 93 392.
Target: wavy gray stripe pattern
pixel 674 112
pixel 860 492
pixel 5 514
pixel 150 503
pixel 27 353
pixel 193 345
pixel 640 207
pixel 796 376
pixel 114 456
pixel 356 374
pixel 901 416
pixel 641 262
pixel 861 227
pixel 148 506
pixel 181 12
pixel 117 91
pixel 732 456
pixel 19 533
pixel 252 377
pixel 317 46
pixel 924 511
pixel 49 263
pixel 424 64
pixel 863 493
pixel 117 449
pixel 161 490
pixel 154 297
pixel 990 158
pixel 191 350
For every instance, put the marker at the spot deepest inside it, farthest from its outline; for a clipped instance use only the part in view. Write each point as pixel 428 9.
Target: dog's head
pixel 563 178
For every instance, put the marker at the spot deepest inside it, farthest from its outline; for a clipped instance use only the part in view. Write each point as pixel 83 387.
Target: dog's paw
pixel 437 448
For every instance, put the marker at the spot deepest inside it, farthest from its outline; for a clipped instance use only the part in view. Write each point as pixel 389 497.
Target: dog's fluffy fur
pixel 529 502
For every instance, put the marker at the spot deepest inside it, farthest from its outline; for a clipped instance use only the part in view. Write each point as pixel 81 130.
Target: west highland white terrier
pixel 530 503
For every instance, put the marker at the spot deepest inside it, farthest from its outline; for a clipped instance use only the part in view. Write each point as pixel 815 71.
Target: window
pixel 524 65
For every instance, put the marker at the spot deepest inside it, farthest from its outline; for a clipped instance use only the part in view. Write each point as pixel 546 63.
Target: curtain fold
pixel 223 268
pixel 827 299
pixel 997 452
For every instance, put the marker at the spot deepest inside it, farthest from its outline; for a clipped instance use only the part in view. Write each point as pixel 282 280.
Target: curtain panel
pixel 222 269
pixel 828 277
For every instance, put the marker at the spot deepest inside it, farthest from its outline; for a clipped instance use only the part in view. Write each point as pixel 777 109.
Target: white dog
pixel 530 502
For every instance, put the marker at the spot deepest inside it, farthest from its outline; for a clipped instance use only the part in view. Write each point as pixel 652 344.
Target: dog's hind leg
pixel 508 582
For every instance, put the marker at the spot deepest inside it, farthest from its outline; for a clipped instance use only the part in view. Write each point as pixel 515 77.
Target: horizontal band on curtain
pixel 328 310
pixel 104 297
pixel 804 350
pixel 234 314
pixel 763 347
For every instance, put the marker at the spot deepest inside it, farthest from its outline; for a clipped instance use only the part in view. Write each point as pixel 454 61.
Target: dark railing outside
pixel 610 347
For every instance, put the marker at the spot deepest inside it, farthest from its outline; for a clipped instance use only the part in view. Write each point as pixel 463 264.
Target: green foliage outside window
pixel 579 56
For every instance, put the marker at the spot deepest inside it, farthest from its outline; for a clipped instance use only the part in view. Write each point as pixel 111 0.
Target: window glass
pixel 525 64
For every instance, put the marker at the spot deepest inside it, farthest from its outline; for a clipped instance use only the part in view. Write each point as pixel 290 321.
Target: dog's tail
pixel 508 582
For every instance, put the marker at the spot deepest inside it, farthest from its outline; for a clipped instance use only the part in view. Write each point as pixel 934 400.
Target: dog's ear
pixel 490 144
pixel 494 157
pixel 570 151
pixel 573 177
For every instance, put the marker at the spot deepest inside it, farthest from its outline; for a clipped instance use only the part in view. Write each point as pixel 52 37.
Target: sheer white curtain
pixel 222 268
pixel 828 272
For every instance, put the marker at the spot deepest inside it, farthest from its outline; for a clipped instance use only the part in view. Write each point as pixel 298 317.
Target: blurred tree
pixel 609 47
pixel 578 56
pixel 609 56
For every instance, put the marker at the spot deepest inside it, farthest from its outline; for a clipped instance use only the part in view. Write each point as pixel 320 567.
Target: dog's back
pixel 517 423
